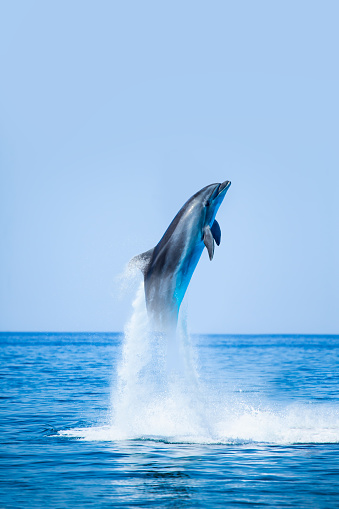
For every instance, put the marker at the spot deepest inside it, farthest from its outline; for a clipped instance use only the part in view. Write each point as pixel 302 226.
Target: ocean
pixel 127 420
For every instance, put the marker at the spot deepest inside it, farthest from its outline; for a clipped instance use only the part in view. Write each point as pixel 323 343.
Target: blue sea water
pixel 86 421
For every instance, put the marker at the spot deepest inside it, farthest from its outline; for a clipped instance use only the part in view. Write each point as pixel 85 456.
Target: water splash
pixel 158 385
pixel 158 396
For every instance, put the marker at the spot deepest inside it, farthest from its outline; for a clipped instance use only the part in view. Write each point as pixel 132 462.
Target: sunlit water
pixel 134 420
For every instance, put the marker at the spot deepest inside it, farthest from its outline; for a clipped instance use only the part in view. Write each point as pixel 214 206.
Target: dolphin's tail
pixel 142 261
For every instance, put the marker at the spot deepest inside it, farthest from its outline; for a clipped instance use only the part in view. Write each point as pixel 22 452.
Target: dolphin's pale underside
pixel 168 267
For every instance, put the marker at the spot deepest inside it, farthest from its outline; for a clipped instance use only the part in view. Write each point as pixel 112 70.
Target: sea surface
pixel 107 420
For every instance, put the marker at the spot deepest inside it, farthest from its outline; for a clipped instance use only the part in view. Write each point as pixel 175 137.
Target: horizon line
pixel 285 334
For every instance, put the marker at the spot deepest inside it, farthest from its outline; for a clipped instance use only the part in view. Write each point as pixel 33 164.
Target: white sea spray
pixel 158 395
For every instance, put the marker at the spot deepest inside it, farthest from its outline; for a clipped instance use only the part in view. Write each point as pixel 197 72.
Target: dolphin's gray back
pixel 170 266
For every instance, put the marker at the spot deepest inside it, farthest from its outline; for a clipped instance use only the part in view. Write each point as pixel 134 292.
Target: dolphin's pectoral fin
pixel 216 232
pixel 208 241
pixel 142 260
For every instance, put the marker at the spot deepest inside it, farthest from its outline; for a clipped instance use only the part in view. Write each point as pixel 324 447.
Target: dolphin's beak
pixel 224 186
pixel 219 189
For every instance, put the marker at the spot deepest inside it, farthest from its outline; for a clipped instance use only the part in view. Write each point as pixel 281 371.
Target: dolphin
pixel 169 266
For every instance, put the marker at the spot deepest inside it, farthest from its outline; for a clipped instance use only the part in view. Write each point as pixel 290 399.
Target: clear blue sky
pixel 112 114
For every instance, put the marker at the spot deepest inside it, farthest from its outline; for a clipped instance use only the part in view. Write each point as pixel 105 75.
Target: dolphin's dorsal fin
pixel 208 241
pixel 142 260
pixel 216 232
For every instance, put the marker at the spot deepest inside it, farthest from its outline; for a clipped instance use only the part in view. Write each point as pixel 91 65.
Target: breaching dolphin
pixel 168 267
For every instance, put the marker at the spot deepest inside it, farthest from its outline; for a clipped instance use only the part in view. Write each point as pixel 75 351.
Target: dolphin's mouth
pixel 220 188
pixel 224 186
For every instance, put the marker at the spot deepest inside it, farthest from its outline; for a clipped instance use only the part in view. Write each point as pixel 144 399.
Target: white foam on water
pixel 158 396
pixel 297 425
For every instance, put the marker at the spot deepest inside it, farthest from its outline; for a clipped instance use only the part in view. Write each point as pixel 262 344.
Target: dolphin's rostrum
pixel 168 267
